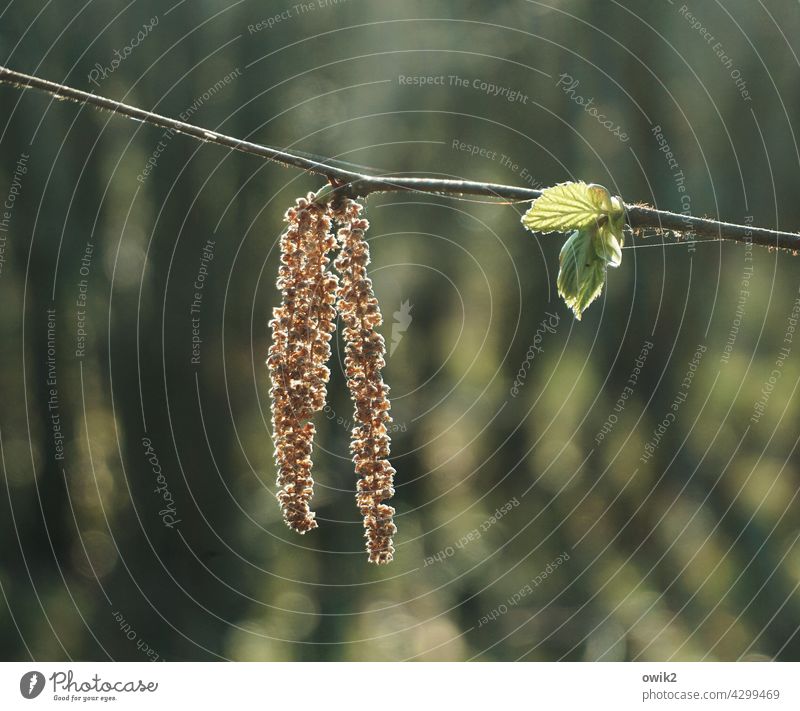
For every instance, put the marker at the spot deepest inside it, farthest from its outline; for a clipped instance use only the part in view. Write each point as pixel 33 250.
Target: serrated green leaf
pixel 582 272
pixel 569 206
pixel 597 221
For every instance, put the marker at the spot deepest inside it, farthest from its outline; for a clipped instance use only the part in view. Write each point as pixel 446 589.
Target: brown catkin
pixel 301 332
pixel 364 359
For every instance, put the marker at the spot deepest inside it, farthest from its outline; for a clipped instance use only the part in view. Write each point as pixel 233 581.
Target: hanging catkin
pixel 364 359
pixel 301 334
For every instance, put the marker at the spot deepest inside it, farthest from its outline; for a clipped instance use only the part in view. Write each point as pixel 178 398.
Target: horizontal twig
pixel 359 184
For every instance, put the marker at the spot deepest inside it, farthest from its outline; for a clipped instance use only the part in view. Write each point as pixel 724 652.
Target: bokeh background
pixel 526 532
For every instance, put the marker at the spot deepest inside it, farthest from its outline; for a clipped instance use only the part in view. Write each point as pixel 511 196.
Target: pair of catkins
pixel 302 327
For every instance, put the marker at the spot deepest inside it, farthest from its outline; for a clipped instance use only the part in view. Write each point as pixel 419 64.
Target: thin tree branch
pixel 359 184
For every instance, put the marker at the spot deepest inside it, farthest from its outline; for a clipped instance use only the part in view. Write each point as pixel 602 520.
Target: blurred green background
pixel 525 530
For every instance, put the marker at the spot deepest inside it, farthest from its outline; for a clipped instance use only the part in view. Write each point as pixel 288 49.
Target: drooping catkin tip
pixel 379 531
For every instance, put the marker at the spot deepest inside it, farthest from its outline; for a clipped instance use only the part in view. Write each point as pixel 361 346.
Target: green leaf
pixel 583 271
pixel 569 206
pixel 596 220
